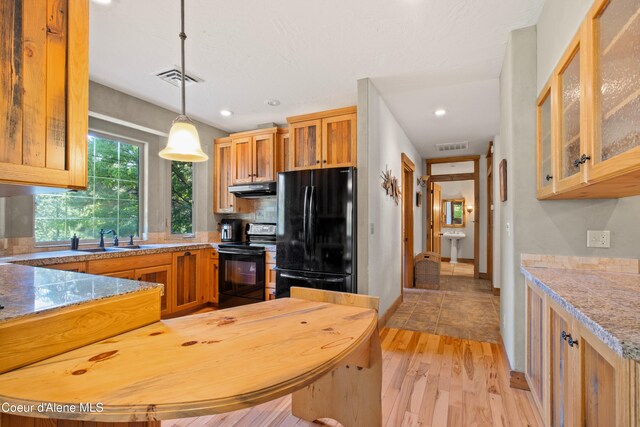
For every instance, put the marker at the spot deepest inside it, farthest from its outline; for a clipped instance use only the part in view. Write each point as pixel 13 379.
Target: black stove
pixel 241 276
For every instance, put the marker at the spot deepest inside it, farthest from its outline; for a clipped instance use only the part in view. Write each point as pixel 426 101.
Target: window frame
pixel 169 217
pixel 142 187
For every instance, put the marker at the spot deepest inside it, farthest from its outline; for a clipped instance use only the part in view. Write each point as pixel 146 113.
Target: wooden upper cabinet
pixel 44 86
pixel 242 160
pixel 339 141
pixel 324 139
pixel 305 145
pixel 224 202
pixel 282 150
pixel 614 32
pixel 264 158
pixel 595 108
pixel 545 172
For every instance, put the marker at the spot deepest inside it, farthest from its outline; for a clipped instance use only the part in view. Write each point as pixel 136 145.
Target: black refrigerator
pixel 316 230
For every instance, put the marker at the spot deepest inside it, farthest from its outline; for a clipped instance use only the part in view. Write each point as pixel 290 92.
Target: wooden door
pixel 339 143
pixel 544 145
pixel 241 160
pixel 305 144
pixel 186 280
pixel 223 200
pixel 563 371
pixel 535 345
pixel 159 274
pixel 614 29
pixel 44 83
pixel 436 218
pixel 264 158
pixel 570 116
pixel 282 151
pixel 408 167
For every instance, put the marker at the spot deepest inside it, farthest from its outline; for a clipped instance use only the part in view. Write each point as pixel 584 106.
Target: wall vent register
pixel 454 146
pixel 174 76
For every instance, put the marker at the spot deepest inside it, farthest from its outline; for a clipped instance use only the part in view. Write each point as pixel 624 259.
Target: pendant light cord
pixel 183 37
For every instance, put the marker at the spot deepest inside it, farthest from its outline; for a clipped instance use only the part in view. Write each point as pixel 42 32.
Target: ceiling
pixel 421 55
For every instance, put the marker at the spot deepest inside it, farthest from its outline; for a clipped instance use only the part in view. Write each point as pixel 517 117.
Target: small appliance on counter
pixel 231 230
pixel 241 276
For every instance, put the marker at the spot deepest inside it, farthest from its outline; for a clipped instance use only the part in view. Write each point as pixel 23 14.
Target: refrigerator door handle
pixel 305 219
pixel 312 221
pixel 310 279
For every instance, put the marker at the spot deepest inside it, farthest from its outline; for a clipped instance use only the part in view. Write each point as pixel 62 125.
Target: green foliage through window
pixel 181 197
pixel 111 201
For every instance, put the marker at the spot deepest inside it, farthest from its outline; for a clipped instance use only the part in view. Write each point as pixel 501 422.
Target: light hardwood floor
pixel 428 380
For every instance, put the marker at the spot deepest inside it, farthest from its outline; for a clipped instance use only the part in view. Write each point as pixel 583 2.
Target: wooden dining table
pixel 323 347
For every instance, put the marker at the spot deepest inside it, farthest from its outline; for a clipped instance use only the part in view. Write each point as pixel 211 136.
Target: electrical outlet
pixel 598 239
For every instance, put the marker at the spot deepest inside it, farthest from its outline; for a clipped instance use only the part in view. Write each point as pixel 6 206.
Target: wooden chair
pixel 427 270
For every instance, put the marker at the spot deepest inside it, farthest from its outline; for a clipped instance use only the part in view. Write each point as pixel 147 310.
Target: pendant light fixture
pixel 184 142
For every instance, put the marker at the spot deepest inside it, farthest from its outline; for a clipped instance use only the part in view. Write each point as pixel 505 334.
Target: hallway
pixel 463 307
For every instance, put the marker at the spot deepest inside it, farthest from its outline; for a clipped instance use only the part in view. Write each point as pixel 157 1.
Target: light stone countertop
pixel 607 303
pixel 28 290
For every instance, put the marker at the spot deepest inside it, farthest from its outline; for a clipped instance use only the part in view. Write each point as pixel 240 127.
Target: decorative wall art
pixel 503 180
pixel 390 185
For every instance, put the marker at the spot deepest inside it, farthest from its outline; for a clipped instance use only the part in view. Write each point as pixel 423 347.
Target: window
pixel 111 201
pixel 181 198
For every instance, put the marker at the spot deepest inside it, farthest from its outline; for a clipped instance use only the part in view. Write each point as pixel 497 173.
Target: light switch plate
pixel 598 239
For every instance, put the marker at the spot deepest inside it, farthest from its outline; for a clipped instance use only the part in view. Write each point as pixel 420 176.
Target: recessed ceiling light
pixel 226 113
pixel 272 102
pixel 103 2
pixel 440 112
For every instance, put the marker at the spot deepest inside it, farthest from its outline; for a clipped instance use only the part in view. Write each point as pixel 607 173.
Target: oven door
pixel 241 277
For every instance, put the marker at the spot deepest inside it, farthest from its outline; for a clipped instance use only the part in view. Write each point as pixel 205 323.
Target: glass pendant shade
pixel 184 142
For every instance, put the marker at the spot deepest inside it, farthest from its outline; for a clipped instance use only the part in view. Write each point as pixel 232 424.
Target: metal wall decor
pixel 390 185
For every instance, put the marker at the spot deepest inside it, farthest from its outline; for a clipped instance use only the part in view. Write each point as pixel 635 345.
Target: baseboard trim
pixel 382 320
pixel 496 292
pixel 483 276
pixel 518 380
pixel 460 260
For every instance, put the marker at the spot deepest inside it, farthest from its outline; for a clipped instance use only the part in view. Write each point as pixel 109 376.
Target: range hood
pixel 253 190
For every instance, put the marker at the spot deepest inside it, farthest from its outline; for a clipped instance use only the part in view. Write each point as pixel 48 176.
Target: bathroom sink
pixel 454 235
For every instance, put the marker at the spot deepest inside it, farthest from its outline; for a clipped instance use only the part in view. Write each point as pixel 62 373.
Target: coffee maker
pixel 231 230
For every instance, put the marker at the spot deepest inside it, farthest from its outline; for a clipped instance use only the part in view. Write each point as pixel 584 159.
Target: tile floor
pixel 463 307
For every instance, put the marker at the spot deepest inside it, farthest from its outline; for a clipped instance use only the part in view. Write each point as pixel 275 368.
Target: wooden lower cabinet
pixel 270 285
pixel 575 378
pixel 127 274
pixel 212 268
pixel 78 267
pixel 186 280
pixel 159 274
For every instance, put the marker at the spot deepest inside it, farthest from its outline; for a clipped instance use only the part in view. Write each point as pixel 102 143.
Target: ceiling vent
pixel 174 77
pixel 453 146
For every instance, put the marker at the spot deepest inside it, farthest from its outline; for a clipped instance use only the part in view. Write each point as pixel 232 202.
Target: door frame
pixel 475 177
pixel 407 167
pixel 489 275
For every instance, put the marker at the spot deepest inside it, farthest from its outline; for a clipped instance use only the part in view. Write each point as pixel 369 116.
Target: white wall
pixel 460 190
pixel 380 145
pixel 559 21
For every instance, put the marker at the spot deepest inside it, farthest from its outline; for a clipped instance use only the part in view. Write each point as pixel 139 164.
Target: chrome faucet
pixel 102 233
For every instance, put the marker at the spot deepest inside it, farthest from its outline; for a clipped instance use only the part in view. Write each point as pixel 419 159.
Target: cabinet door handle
pixel 317 162
pixel 581 161
pixel 324 161
pixel 548 177
pixel 187 253
pixel 571 341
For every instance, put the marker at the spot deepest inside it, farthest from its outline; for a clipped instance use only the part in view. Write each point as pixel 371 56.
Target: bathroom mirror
pixel 453 213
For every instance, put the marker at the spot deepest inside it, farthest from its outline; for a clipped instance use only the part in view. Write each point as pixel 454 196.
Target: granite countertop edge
pixel 142 287
pixel 42 259
pixel 628 350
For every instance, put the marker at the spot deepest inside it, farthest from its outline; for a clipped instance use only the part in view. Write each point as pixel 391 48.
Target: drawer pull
pixel 187 253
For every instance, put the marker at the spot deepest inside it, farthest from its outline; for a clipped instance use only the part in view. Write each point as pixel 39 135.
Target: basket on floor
pixel 427 270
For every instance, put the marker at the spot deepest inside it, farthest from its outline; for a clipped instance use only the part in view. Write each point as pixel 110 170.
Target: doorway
pixel 408 169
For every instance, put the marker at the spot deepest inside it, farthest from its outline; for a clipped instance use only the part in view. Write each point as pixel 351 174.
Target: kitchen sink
pixel 129 247
pixel 98 250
